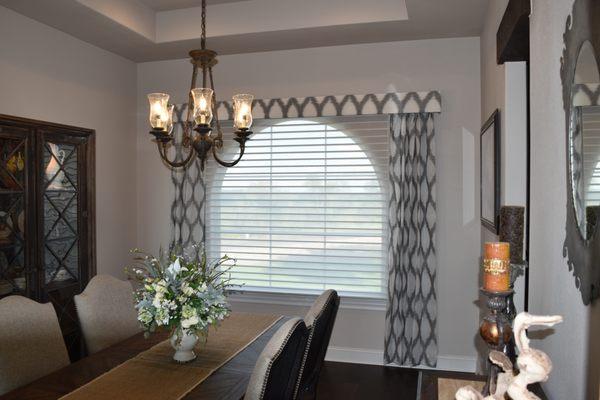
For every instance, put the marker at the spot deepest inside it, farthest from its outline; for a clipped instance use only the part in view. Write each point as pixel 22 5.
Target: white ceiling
pixel 165 5
pixel 148 30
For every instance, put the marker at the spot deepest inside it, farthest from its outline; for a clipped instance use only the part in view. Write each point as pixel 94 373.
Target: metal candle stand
pixel 496 330
pixel 496 327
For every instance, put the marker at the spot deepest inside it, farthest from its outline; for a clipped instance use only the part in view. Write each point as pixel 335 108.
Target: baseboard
pixel 353 355
pixel 374 357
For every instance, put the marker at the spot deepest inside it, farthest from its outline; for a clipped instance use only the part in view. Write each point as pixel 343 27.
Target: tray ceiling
pixel 149 30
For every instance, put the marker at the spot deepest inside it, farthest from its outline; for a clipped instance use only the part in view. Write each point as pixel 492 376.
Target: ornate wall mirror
pixel 581 91
pixel 584 138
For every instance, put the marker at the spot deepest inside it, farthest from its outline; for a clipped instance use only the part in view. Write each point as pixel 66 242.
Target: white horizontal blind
pixel 304 210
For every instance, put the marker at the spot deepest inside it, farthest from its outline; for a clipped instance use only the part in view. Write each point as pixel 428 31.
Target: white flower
pixel 186 289
pixel 169 305
pixel 162 317
pixel 145 316
pixel 160 287
pixel 188 311
pixel 189 322
pixel 175 267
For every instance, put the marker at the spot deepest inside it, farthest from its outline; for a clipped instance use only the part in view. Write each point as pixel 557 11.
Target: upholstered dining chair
pixel 276 371
pixel 31 343
pixel 106 312
pixel 319 321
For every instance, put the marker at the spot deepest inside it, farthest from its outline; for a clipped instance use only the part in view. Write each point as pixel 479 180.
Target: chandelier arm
pixel 162 150
pixel 230 163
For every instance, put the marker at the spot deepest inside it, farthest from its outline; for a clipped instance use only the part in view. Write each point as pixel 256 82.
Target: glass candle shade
pixel 496 267
pixel 203 113
pixel 169 126
pixel 242 111
pixel 159 113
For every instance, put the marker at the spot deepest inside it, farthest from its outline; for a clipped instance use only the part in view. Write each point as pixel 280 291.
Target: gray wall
pixel 552 285
pixel 451 66
pixel 48 75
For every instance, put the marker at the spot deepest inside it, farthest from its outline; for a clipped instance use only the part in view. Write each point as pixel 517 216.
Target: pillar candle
pixel 512 222
pixel 496 266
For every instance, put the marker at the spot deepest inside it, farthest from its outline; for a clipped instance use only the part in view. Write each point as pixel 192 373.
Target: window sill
pixel 306 300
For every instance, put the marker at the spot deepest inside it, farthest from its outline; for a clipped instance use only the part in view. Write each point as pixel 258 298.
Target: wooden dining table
pixel 227 383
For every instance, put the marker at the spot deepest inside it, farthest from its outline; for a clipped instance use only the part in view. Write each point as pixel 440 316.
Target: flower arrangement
pixel 181 290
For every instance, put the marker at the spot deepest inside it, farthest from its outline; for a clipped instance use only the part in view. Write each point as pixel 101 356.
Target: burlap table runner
pixel 153 374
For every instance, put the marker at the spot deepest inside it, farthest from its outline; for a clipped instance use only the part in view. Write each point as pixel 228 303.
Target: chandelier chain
pixel 203 37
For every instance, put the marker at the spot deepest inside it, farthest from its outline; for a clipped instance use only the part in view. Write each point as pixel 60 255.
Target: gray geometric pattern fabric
pixel 411 335
pixel 188 207
pixel 334 106
pixel 586 94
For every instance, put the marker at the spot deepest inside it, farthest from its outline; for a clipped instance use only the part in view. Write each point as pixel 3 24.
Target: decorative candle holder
pixel 496 331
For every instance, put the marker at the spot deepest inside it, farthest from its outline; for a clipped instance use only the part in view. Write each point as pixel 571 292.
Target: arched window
pixel 304 210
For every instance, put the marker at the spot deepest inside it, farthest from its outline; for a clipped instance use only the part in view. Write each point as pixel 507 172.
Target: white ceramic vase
pixel 184 348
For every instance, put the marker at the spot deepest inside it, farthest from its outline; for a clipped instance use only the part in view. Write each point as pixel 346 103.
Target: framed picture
pixel 490 172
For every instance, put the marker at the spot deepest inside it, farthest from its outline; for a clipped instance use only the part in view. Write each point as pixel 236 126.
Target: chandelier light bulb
pixel 159 112
pixel 203 113
pixel 242 107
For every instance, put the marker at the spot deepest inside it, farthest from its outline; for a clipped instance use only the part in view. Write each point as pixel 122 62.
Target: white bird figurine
pixel 534 365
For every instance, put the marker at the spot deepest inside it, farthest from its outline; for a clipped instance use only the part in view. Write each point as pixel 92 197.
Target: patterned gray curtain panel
pixel 411 336
pixel 188 207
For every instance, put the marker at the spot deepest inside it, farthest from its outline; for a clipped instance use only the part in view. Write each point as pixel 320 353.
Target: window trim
pixel 378 303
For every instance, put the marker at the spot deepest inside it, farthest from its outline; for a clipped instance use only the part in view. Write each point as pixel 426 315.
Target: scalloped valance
pixel 331 106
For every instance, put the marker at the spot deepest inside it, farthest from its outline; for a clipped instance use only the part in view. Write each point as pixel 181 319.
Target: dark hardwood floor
pixel 358 381
pixel 342 381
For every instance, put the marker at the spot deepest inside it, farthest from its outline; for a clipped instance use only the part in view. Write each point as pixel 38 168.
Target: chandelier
pixel 198 138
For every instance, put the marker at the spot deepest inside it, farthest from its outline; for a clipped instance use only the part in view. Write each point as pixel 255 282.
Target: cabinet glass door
pixel 60 213
pixel 13 183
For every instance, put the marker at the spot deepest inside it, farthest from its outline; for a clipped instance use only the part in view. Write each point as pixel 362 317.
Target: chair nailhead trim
pixel 308 343
pixel 279 351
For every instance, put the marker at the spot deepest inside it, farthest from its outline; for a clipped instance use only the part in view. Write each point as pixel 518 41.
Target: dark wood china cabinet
pixel 47 224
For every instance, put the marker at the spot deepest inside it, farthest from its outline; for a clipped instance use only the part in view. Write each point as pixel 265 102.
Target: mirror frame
pixel 583 255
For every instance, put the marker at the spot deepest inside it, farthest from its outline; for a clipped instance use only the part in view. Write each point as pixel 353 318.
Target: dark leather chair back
pixel 276 373
pixel 319 321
